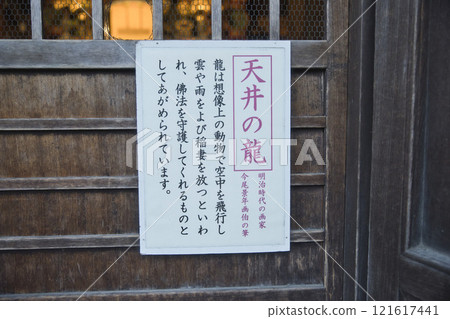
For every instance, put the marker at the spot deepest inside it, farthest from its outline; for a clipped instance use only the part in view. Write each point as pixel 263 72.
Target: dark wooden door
pixel 409 238
pixel 69 204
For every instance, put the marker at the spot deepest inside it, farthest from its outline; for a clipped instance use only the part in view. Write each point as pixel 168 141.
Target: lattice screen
pixel 182 19
pixel 67 19
pixel 15 19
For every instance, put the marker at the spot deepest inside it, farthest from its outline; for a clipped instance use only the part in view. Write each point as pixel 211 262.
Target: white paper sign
pixel 213 146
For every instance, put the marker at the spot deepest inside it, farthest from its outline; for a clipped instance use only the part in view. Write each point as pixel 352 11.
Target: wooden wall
pixel 69 203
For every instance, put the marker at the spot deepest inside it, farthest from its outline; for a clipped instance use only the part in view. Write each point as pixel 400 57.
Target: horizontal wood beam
pixel 428 283
pixel 429 256
pixel 98 124
pixel 308 179
pixel 305 54
pixel 308 121
pixel 111 182
pixel 67 241
pixel 113 240
pixel 290 292
pixel 121 54
pixel 68 183
pixel 307 235
pixel 68 124
pixel 67 54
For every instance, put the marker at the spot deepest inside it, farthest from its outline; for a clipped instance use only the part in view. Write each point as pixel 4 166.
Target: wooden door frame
pixel 395 78
pixel 359 146
pixel 383 52
pixel 386 86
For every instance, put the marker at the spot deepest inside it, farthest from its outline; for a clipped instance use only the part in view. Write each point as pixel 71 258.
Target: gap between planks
pixel 112 182
pixel 9 243
pixel 269 292
pixel 99 124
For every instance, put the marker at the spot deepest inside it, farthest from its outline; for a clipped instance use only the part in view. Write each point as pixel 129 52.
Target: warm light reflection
pixel 58 5
pixel 82 16
pixel 182 19
pixel 66 19
pixel 200 5
pixel 183 7
pixel 131 19
pixel 75 6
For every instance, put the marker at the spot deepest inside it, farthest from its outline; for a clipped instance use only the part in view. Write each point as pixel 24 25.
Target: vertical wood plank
pixel 216 19
pixel 359 147
pixel 36 20
pixel 97 19
pixel 157 20
pixel 336 110
pixel 392 96
pixel 274 17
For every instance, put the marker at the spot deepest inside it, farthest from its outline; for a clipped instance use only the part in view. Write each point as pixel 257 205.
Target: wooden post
pixel 157 20
pixel 216 19
pixel 274 17
pixel 36 20
pixel 97 20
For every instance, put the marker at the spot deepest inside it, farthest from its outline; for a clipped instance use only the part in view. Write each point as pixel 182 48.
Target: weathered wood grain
pixel 359 146
pixel 307 93
pixel 69 212
pixel 428 256
pixel 289 292
pixel 67 94
pixel 157 21
pixel 68 124
pixel 111 182
pixel 68 183
pixel 69 106
pixel 95 208
pixel 305 179
pixel 274 19
pixel 68 242
pixel 312 166
pixel 120 54
pixel 113 240
pixel 391 116
pixel 308 122
pixel 216 19
pixel 424 266
pixel 435 230
pixel 36 20
pixel 336 111
pixel 307 207
pixel 305 54
pixel 68 54
pixel 97 19
pixel 37 271
pixel 61 154
pixel 422 282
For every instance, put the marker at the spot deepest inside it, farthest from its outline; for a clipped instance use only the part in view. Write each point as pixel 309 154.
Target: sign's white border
pixel 143 227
